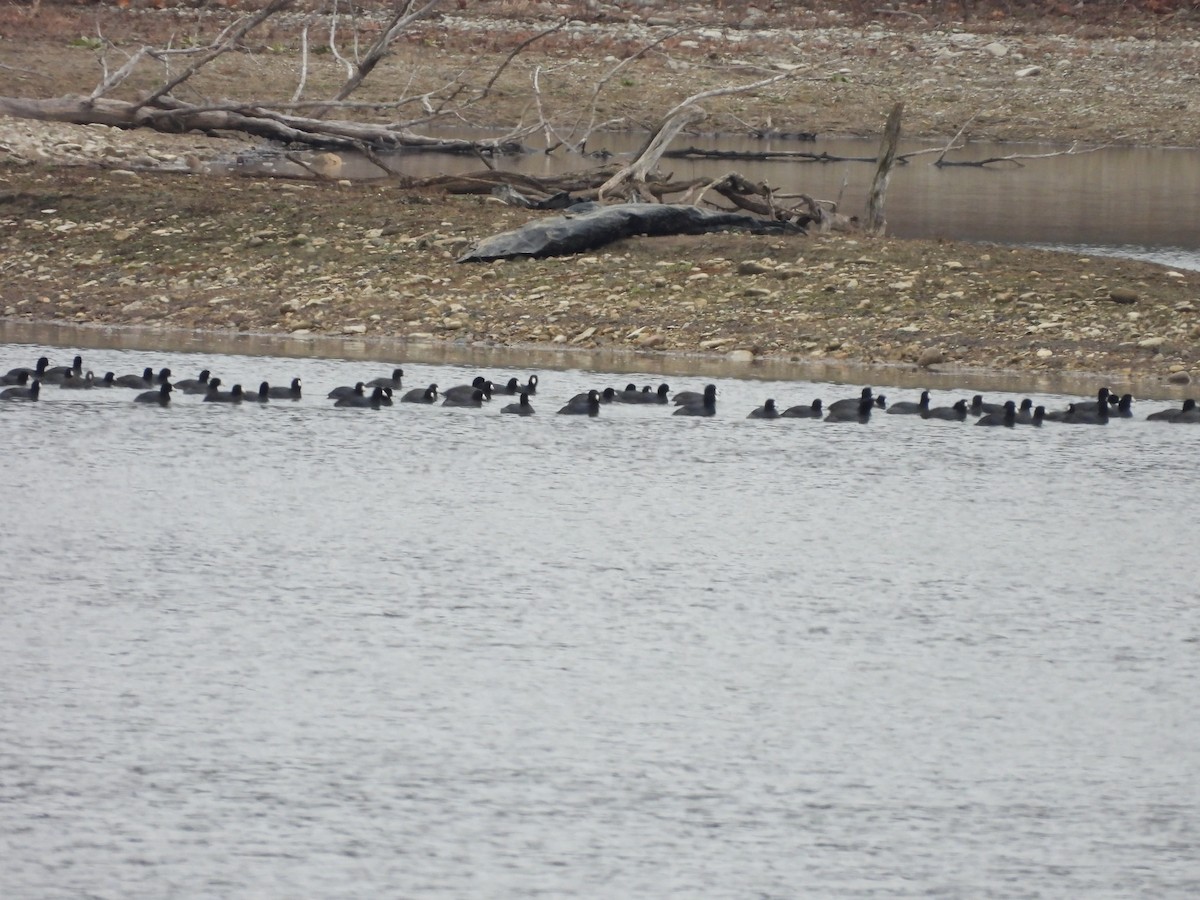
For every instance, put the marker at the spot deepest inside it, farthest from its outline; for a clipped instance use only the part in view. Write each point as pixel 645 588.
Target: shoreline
pixel 377 264
pixel 395 351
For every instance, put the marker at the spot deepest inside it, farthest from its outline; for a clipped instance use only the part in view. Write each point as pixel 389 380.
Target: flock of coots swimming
pixel 157 387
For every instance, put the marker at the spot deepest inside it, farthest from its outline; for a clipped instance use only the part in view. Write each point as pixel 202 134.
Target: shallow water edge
pixel 555 357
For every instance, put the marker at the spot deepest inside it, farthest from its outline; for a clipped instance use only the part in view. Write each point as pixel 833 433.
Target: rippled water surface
pixel 298 651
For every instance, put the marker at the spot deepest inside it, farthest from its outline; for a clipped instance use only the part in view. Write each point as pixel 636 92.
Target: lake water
pixel 1120 201
pixel 426 652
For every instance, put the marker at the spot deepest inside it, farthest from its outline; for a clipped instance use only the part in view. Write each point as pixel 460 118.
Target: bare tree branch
pixel 401 20
pixel 118 76
pixel 218 47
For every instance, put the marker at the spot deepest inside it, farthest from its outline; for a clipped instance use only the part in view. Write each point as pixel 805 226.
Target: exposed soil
pixel 146 241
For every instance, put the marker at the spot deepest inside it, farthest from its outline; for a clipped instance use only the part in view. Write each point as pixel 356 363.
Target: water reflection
pixel 1125 201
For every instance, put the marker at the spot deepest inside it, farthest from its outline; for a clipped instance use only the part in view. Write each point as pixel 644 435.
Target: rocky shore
pixel 147 239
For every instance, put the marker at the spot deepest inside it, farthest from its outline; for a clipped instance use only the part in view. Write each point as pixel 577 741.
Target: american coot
pixel 979 408
pixel 955 413
pixel 908 408
pixel 162 396
pixel 629 394
pixel 687 398
pixel 216 395
pixel 421 395
pixel 109 380
pixel 384 381
pixel 57 374
pixel 139 382
pixel 467 391
pixel 590 406
pixel 1101 400
pixel 812 411
pixel 362 401
pixel 1059 415
pixel 659 395
pixel 530 387
pixel 1096 415
pixel 1168 415
pixel 860 412
pixel 74 382
pixel 22 393
pixel 511 387
pixel 13 374
pixel 850 407
pixel 706 407
pixel 1025 412
pixel 608 395
pixel 476 400
pixel 346 391
pixel 766 411
pixel 194 385
pixel 520 408
pixel 262 395
pixel 291 392
pixel 1006 419
pixel 1123 409
pixel 1189 416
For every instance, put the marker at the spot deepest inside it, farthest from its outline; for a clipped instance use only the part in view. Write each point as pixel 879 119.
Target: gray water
pixel 422 652
pixel 1121 201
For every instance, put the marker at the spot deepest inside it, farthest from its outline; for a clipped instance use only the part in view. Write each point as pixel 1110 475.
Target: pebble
pixel 752 267
pixel 1123 295
pixel 1179 378
pixel 740 356
pixel 930 357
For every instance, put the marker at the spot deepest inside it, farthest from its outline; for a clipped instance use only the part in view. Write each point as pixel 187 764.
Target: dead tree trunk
pixel 876 223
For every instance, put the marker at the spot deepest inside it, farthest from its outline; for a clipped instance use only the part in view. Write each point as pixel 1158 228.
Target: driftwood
pixel 592 225
pixel 764 155
pixel 312 123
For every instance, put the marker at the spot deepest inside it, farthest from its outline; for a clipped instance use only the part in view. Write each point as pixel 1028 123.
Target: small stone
pixel 1044 353
pixel 649 341
pixel 756 292
pixel 996 49
pixel 740 356
pixel 583 335
pixel 1029 71
pixel 354 329
pixel 713 343
pixel 752 267
pixel 1123 295
pixel 1179 378
pixel 930 357
pixel 953 265
pixel 1151 343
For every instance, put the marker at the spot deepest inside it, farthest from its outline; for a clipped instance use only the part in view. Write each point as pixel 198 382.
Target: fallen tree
pixel 296 121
